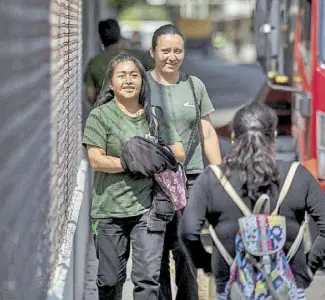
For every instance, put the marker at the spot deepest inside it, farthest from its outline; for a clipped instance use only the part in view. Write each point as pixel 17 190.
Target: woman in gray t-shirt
pixel 184 99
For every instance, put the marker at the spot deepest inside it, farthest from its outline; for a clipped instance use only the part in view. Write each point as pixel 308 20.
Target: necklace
pixel 139 112
pixel 136 114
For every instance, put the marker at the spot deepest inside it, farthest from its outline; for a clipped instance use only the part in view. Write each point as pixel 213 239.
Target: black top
pixel 209 201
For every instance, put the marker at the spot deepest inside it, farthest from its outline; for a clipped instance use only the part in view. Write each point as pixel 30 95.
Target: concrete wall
pixel 25 150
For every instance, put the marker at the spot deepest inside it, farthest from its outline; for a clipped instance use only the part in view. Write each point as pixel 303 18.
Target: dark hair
pixel 106 94
pixel 253 154
pixel 109 32
pixel 165 29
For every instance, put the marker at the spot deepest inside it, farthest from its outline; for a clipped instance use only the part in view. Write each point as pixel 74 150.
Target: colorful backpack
pixel 260 269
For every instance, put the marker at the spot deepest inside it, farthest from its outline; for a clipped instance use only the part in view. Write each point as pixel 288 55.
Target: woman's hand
pixel 178 151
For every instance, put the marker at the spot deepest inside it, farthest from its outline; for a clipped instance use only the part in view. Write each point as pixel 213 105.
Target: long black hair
pixel 253 154
pixel 106 94
pixel 165 29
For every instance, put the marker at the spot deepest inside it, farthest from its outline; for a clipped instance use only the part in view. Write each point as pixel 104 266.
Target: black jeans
pixel 186 273
pixel 112 242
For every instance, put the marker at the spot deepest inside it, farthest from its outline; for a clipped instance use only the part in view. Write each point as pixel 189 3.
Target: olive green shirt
pixel 122 194
pixel 97 67
pixel 177 102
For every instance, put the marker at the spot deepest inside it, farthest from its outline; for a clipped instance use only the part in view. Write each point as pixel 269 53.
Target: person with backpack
pixel 256 207
pixel 184 99
pixel 121 198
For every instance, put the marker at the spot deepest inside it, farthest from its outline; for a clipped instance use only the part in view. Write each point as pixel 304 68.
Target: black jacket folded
pixel 145 157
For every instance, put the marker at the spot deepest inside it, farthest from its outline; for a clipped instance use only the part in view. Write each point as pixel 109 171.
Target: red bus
pixel 290 40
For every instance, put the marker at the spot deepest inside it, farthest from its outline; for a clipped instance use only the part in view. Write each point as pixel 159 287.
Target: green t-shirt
pixel 97 67
pixel 122 194
pixel 177 102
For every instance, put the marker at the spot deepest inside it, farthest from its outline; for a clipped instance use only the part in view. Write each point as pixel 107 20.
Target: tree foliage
pixel 120 5
pixel 143 12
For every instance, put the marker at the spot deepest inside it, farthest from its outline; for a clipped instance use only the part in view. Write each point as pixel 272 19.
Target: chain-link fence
pixel 66 71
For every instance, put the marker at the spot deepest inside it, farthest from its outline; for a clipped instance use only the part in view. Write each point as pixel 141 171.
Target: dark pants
pixel 186 273
pixel 112 243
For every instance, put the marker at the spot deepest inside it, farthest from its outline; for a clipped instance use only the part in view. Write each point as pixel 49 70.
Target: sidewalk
pixel 90 289
pixel 315 292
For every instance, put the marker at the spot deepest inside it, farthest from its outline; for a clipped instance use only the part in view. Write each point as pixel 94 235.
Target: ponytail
pixel 253 157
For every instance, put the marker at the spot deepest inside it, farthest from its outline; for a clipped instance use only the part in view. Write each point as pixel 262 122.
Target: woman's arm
pixel 101 162
pixel 210 142
pixel 95 139
pixel 315 203
pixel 209 138
pixel 178 150
pixel 193 221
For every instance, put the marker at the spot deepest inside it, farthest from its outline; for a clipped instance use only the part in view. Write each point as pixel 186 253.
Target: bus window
pixel 305 34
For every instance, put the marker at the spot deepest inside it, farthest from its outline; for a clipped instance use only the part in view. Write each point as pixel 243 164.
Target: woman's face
pixel 126 81
pixel 169 53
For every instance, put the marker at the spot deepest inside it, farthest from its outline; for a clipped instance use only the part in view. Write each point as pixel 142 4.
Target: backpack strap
pixel 242 206
pixel 303 234
pixel 286 186
pixel 230 190
pixel 262 201
pixel 224 253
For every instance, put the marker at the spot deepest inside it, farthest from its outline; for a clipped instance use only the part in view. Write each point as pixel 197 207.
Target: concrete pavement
pixel 90 289
pixel 315 292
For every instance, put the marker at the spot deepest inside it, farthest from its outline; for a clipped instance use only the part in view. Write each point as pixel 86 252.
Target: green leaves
pixel 120 5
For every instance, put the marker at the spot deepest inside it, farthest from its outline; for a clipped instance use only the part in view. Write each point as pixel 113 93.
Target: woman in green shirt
pixel 120 200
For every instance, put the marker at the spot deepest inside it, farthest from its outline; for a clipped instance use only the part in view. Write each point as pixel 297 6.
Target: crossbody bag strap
pixel 155 119
pixel 190 145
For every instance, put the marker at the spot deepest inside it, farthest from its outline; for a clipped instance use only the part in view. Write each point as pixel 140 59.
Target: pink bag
pixel 173 184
